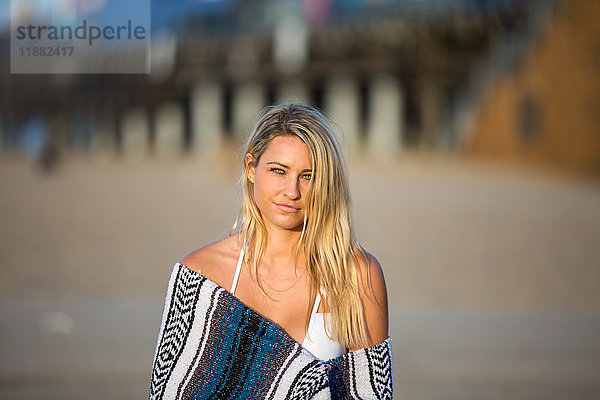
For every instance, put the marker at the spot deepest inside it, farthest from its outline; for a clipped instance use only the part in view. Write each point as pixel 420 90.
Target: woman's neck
pixel 281 249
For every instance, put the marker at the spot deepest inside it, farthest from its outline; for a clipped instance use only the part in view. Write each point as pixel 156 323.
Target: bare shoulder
pixel 216 261
pixel 373 293
pixel 371 276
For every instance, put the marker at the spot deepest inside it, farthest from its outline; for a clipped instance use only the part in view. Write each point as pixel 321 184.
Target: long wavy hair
pixel 331 251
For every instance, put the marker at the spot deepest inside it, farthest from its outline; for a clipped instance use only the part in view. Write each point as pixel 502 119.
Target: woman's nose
pixel 292 189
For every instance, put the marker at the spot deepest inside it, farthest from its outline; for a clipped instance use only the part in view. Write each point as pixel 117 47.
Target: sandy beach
pixel 492 272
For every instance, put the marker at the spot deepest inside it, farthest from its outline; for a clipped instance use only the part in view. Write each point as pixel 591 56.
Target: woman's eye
pixel 278 171
pixel 307 177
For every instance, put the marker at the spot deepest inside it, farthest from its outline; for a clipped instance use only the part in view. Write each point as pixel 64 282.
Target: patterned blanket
pixel 211 345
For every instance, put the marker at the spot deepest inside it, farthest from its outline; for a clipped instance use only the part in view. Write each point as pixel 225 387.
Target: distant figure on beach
pixel 289 305
pixel 49 159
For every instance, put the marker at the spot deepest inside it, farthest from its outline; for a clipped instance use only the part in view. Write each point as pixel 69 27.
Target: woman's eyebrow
pixel 285 166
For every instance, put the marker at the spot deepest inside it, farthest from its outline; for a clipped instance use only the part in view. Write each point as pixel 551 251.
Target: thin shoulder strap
pixel 316 306
pixel 313 313
pixel 237 271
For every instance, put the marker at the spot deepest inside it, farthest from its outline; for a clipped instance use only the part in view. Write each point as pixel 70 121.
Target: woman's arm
pixel 373 294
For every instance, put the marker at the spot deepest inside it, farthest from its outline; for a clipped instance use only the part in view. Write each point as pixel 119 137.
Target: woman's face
pixel 281 179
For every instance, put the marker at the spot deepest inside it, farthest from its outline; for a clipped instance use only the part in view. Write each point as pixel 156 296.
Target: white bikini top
pixel 316 340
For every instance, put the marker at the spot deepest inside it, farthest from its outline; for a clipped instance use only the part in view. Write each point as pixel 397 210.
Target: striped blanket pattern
pixel 211 345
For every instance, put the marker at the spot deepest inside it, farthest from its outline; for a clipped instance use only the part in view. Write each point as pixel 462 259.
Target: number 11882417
pixel 46 51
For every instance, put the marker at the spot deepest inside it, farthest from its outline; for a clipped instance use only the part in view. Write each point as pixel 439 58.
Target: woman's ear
pixel 250 167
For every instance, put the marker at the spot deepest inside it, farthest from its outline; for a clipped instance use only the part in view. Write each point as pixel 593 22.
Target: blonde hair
pixel 330 248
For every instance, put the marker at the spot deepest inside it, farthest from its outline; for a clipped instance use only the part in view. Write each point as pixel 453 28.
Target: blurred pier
pixel 394 76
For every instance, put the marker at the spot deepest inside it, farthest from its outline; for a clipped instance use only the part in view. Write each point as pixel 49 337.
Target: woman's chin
pixel 288 225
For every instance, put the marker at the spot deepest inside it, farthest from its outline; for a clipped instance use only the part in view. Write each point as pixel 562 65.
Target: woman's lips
pixel 286 207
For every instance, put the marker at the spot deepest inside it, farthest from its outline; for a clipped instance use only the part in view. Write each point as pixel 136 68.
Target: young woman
pixel 304 313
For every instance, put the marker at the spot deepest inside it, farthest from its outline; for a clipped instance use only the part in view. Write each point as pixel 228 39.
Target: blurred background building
pixel 494 78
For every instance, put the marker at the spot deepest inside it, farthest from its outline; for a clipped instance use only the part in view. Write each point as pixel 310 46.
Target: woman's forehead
pixel 287 150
